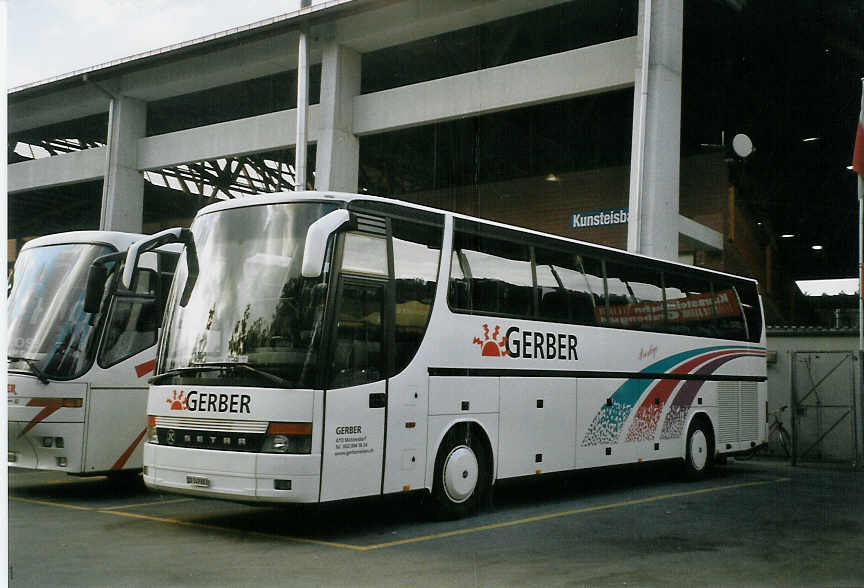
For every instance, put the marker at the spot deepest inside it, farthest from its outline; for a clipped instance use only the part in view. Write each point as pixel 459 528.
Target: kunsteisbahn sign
pixel 598 218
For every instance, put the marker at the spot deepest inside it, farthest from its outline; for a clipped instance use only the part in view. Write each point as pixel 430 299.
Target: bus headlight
pixel 288 438
pixel 152 436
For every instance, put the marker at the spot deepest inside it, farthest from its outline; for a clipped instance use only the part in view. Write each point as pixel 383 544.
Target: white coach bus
pixel 337 346
pixel 77 385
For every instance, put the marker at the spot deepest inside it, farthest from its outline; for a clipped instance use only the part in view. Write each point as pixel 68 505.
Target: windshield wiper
pixel 248 367
pixel 40 375
pixel 220 365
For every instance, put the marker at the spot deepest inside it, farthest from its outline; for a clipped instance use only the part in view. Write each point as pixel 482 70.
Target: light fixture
pixel 810 139
pixel 816 247
pixel 787 235
pixel 552 178
pixel 850 168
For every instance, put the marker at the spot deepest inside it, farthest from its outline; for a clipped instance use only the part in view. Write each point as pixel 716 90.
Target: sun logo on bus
pixel 491 346
pixel 177 400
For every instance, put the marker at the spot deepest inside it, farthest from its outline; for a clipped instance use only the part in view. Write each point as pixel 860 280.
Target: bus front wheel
pixel 461 475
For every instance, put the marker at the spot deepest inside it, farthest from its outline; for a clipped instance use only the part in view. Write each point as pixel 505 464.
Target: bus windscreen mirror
pixel 315 247
pixel 96 278
pixel 176 235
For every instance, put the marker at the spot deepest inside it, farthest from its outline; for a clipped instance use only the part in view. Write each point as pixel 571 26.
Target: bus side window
pixel 416 252
pixel 689 305
pixel 459 291
pixel 727 308
pixel 748 295
pixel 132 322
pixel 569 287
pixel 358 348
pixel 635 297
pixel 501 280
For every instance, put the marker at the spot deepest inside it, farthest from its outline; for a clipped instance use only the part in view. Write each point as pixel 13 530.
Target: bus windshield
pixel 252 319
pixel 49 332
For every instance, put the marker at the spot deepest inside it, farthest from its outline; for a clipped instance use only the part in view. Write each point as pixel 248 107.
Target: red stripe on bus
pixel 51 405
pixel 644 425
pixel 128 453
pixel 145 368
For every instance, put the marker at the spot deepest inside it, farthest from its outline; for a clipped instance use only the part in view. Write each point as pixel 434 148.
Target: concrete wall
pixel 781 347
pixel 780 371
pixel 366 26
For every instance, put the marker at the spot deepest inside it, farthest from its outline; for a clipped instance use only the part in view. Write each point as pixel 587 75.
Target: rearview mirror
pixel 96 278
pixel 177 235
pixel 315 247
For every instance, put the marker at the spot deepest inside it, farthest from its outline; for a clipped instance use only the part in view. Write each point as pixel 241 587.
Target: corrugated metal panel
pixel 749 423
pixel 727 409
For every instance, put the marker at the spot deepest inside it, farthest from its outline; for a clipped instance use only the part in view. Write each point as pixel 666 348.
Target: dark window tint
pixel 748 296
pixel 689 305
pixel 416 254
pixel 358 347
pixel 133 322
pixel 491 273
pixel 230 102
pixel 167 266
pixel 569 287
pixel 730 318
pixel 569 25
pixel 635 298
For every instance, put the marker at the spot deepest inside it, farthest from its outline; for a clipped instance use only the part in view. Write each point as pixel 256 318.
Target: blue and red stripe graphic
pixel 655 394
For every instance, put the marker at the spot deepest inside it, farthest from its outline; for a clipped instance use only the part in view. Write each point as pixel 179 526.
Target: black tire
pixel 125 478
pixel 699 450
pixel 747 455
pixel 462 474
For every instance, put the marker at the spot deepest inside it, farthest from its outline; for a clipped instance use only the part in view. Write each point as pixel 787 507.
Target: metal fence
pixel 825 407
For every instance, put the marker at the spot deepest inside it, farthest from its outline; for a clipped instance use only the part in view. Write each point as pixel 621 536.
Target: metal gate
pixel 824 415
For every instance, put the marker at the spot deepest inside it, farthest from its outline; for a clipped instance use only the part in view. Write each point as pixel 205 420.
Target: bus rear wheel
pixel 700 448
pixel 461 475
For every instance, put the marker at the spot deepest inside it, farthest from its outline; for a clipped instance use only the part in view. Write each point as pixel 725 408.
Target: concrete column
pixel 656 151
pixel 337 157
pixel 123 186
pixel 300 144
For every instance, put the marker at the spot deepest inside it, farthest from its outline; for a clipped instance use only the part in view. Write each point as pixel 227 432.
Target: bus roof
pixel 315 196
pixel 116 239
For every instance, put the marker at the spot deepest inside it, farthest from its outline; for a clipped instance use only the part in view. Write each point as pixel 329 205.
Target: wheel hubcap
pixel 698 450
pixel 460 475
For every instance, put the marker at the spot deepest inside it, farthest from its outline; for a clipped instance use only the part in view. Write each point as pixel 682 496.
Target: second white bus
pixel 78 368
pixel 336 346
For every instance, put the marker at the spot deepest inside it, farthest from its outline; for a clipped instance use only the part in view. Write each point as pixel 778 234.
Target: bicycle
pixel 778 436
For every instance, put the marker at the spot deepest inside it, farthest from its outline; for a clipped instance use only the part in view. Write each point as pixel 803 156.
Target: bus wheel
pixel 461 476
pixel 700 447
pixel 125 478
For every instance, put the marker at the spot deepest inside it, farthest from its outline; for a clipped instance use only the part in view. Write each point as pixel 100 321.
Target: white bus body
pixel 420 349
pixel 77 383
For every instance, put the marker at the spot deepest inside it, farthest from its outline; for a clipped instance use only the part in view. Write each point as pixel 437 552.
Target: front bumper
pixel 232 475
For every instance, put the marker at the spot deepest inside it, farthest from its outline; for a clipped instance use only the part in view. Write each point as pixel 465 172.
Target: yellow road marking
pixel 432 537
pixel 49 503
pixel 55 482
pixel 154 502
pixel 568 513
pixel 230 530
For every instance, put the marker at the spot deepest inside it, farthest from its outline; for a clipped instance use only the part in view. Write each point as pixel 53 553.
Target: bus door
pixel 356 395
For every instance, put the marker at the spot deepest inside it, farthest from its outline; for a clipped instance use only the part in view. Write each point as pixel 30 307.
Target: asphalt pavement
pixel 756 523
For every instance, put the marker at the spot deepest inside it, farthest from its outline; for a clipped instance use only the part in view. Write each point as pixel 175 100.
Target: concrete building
pixel 552 114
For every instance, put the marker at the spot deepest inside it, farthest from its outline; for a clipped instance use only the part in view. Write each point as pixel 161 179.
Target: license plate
pixel 199 481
